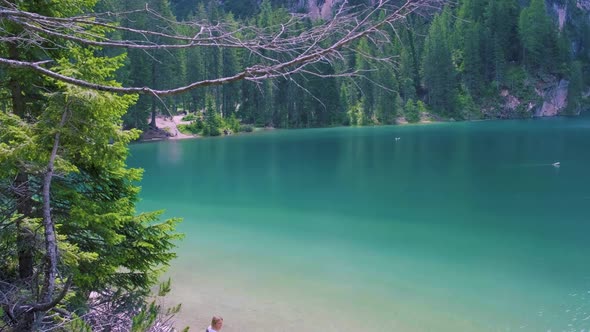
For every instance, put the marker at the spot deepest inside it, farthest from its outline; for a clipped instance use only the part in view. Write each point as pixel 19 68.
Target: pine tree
pixel 213 122
pixel 501 21
pixel 230 66
pixel 411 60
pixel 575 88
pixel 166 72
pixel 407 86
pixel 538 36
pixel 473 61
pixel 367 88
pixel 438 69
pixel 241 8
pixel 184 9
pixel 411 112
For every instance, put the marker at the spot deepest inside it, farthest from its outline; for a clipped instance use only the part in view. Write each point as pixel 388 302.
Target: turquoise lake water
pixel 453 227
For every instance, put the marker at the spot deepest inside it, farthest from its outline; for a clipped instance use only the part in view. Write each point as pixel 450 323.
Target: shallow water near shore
pixel 453 227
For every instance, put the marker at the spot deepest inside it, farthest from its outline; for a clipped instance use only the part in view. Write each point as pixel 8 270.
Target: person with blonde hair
pixel 216 324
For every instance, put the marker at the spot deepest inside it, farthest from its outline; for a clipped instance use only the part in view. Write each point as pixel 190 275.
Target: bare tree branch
pixel 291 51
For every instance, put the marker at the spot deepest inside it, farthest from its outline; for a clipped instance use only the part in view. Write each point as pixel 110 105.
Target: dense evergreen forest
pixel 475 59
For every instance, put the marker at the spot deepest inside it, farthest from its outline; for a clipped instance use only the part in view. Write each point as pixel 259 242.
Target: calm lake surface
pixel 453 227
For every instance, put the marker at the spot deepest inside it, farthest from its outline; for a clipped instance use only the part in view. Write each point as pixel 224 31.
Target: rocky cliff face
pixel 321 9
pixel 552 96
pixel 554 99
pixel 550 100
pixel 583 5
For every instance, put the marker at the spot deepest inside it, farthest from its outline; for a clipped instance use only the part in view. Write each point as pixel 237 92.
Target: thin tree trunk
pixel 153 123
pixel 415 61
pixel 15 85
pixel 51 250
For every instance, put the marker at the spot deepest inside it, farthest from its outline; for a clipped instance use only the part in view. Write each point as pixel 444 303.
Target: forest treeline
pixel 452 65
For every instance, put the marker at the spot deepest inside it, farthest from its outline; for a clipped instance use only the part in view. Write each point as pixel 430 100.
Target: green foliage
pixel 473 60
pixel 407 74
pixel 232 123
pixel 412 112
pixel 467 106
pixel 246 128
pixel 242 8
pixel 77 324
pixel 575 89
pixel 154 312
pixel 104 244
pixel 421 108
pixel 213 123
pixel 516 77
pixel 519 84
pixel 141 70
pixel 357 116
pixel 438 68
pixel 190 117
pixel 186 129
pixel 144 319
pixel 193 128
pixel 100 189
pixel 538 36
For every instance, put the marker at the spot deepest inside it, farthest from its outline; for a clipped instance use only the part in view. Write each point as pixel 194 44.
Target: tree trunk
pixel 25 237
pixel 51 250
pixel 153 123
pixel 48 223
pixel 195 104
pixel 15 85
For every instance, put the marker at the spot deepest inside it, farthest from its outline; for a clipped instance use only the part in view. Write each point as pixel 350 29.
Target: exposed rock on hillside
pixel 321 10
pixel 510 101
pixel 584 4
pixel 561 11
pixel 554 99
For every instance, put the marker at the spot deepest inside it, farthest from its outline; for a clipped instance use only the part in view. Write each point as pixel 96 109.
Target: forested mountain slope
pixel 475 59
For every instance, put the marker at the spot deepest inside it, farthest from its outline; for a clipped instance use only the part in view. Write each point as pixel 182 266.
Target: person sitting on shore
pixel 216 324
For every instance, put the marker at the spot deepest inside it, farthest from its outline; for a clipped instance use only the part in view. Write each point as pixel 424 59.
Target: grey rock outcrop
pixel 554 99
pixel 583 4
pixel 322 10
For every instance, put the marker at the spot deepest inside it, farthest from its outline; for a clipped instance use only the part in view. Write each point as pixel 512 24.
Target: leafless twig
pixel 287 49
